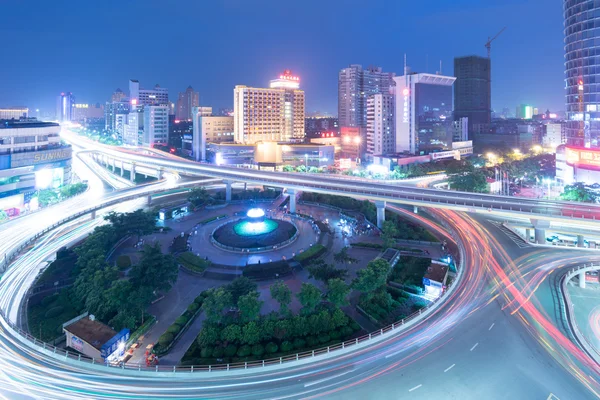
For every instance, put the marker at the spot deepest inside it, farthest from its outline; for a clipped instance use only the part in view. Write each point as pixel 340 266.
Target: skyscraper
pixel 64 107
pixel 156 96
pixel 423 113
pixel 185 103
pixel 355 85
pixel 472 90
pixel 582 73
pixel 274 114
pixel 381 138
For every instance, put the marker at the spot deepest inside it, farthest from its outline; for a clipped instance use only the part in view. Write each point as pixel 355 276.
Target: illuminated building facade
pixel 207 129
pixel 31 158
pixel 274 114
pixel 14 112
pixel 156 125
pixel 151 97
pixel 423 113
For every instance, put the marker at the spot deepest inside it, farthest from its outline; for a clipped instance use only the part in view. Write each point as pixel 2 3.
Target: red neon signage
pixel 582 157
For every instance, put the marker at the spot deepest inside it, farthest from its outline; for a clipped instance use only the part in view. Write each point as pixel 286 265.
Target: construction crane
pixel 488 45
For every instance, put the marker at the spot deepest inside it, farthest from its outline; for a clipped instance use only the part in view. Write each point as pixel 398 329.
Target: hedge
pixel 258 350
pixel 165 339
pixel 231 350
pixel 271 348
pixel 182 320
pixel 54 311
pixel 311 253
pixel 267 270
pixel 209 220
pixel 193 262
pixel 174 329
pixel 244 351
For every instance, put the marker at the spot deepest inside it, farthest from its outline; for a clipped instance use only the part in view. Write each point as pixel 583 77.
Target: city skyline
pixel 426 35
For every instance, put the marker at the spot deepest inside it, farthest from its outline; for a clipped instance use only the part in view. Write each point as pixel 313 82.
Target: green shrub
pixel 311 341
pixel 165 339
pixel 287 346
pixel 182 320
pixel 244 351
pixel 311 253
pixel 217 352
pixel 355 326
pixel 346 331
pixel 271 348
pixel 335 334
pixel 299 343
pixel 192 262
pixel 397 293
pixel 54 312
pixel 174 329
pixel 258 350
pixel 193 307
pixel 324 338
pixel 267 270
pixel 231 350
pixel 123 262
pixel 49 299
pixel 206 352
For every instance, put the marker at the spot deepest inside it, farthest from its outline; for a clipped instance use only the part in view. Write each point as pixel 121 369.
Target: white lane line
pixel 415 388
pixel 473 348
pixel 327 379
pixel 449 368
pixel 491 326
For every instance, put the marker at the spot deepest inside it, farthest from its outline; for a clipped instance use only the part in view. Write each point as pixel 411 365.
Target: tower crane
pixel 488 45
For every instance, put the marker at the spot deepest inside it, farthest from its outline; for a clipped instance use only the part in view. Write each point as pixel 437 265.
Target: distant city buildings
pixel 381 133
pixel 139 96
pixel 524 111
pixel 185 103
pixel 64 107
pixel 14 112
pixel 472 90
pixel 355 85
pixel 316 127
pixel 84 111
pixel 274 114
pixel 207 129
pixel 118 96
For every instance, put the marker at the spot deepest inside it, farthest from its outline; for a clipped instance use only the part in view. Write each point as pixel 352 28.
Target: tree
pixel 47 197
pixel 389 233
pixel 372 278
pixel 322 271
pixel 337 292
pixel 250 333
pixel 465 177
pixel 231 333
pixel 578 192
pixel 249 306
pixel 199 196
pixel 282 294
pixel 214 304
pixel 137 223
pixel 309 296
pixel 301 168
pixel 155 270
pixel 239 287
pixel 288 168
pixel 342 257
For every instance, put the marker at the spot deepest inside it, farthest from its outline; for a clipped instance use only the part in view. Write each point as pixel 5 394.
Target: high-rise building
pixel 317 127
pixel 355 85
pixel 152 97
pixel 380 125
pixel 14 112
pixel 207 129
pixel 84 111
pixel 524 111
pixel 472 89
pixel 64 107
pixel 185 102
pixel 111 111
pixel 275 114
pixel 118 95
pixel 130 126
pixel 423 113
pixel 156 125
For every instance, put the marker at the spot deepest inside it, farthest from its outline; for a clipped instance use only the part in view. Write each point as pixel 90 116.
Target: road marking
pixel 491 326
pixel 449 368
pixel 327 379
pixel 473 348
pixel 415 388
pixel 552 396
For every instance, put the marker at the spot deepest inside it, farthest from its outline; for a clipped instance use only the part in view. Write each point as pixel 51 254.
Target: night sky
pixel 91 48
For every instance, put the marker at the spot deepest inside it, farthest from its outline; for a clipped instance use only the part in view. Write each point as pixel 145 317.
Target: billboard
pixel 26 159
pixel 582 157
pixel 113 344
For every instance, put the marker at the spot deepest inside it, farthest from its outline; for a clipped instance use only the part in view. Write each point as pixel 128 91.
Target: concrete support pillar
pixel 540 236
pixel 380 213
pixel 582 280
pixel 132 176
pixel 114 166
pixel 228 191
pixel 580 241
pixel 415 209
pixel 93 215
pixel 292 193
pixel 122 169
pixel 161 173
pixel 528 235
pixel 149 200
